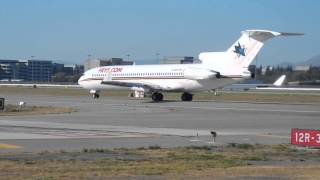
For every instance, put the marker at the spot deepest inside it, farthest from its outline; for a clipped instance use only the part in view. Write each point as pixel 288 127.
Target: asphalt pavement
pixel 112 122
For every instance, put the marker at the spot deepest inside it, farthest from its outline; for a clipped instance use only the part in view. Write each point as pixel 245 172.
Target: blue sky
pixel 68 30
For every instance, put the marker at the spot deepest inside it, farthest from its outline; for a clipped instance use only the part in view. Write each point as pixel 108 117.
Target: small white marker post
pixel 21 104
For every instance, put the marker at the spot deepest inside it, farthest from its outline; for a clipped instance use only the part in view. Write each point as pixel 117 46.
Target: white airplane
pixel 217 69
pixel 245 87
pixel 278 86
pixel 291 88
pixel 277 83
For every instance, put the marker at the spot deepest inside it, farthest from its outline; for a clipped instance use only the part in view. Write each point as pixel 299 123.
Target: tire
pixel 160 97
pixel 156 97
pixel 96 96
pixel 186 97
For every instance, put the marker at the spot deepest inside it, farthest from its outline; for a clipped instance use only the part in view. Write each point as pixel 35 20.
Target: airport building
pixel 39 70
pixel 26 70
pixel 92 63
pixel 8 69
pixel 67 69
pixel 57 68
pixel 71 69
pixel 13 70
pixel 303 68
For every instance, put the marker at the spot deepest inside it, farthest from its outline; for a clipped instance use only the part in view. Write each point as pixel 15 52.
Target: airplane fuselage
pixel 171 78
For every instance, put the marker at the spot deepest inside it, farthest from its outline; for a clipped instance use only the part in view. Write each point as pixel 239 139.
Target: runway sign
pixel 305 137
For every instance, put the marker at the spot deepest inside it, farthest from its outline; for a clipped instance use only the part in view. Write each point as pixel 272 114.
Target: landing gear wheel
pixel 95 96
pixel 186 97
pixel 157 97
pixel 160 97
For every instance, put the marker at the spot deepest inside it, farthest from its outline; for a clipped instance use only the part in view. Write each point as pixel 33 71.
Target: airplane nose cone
pixel 80 80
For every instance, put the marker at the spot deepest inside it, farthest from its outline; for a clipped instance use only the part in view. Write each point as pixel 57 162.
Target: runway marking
pixel 9 146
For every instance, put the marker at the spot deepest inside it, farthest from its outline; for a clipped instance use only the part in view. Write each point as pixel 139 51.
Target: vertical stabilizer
pixel 279 81
pixel 240 55
pixel 246 48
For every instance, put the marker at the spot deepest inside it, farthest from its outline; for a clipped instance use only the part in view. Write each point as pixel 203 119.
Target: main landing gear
pixel 186 97
pixel 95 94
pixel 156 97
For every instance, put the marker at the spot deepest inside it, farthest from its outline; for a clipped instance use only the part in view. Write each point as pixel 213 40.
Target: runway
pixel 112 122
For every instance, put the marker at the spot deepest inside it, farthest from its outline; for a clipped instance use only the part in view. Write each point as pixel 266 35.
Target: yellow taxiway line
pixel 9 146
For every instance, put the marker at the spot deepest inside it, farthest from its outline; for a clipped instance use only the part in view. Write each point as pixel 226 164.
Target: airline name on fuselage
pixel 110 69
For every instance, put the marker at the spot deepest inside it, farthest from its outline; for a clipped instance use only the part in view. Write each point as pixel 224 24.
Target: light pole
pixel 128 55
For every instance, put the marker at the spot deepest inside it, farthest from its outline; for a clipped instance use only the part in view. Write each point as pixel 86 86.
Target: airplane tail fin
pixel 240 55
pixel 279 81
pixel 246 48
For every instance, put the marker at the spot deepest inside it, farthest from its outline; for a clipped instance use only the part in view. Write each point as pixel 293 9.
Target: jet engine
pixel 200 74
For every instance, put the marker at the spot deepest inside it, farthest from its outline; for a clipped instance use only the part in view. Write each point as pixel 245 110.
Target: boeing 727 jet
pixel 216 69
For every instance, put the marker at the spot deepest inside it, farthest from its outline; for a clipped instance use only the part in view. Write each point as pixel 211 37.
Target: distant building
pixel 57 68
pixel 13 70
pixel 302 68
pixel 177 60
pixel 23 70
pixel 26 70
pixel 68 69
pixel 73 69
pixel 92 63
pixel 8 69
pixel 78 69
pixel 39 70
